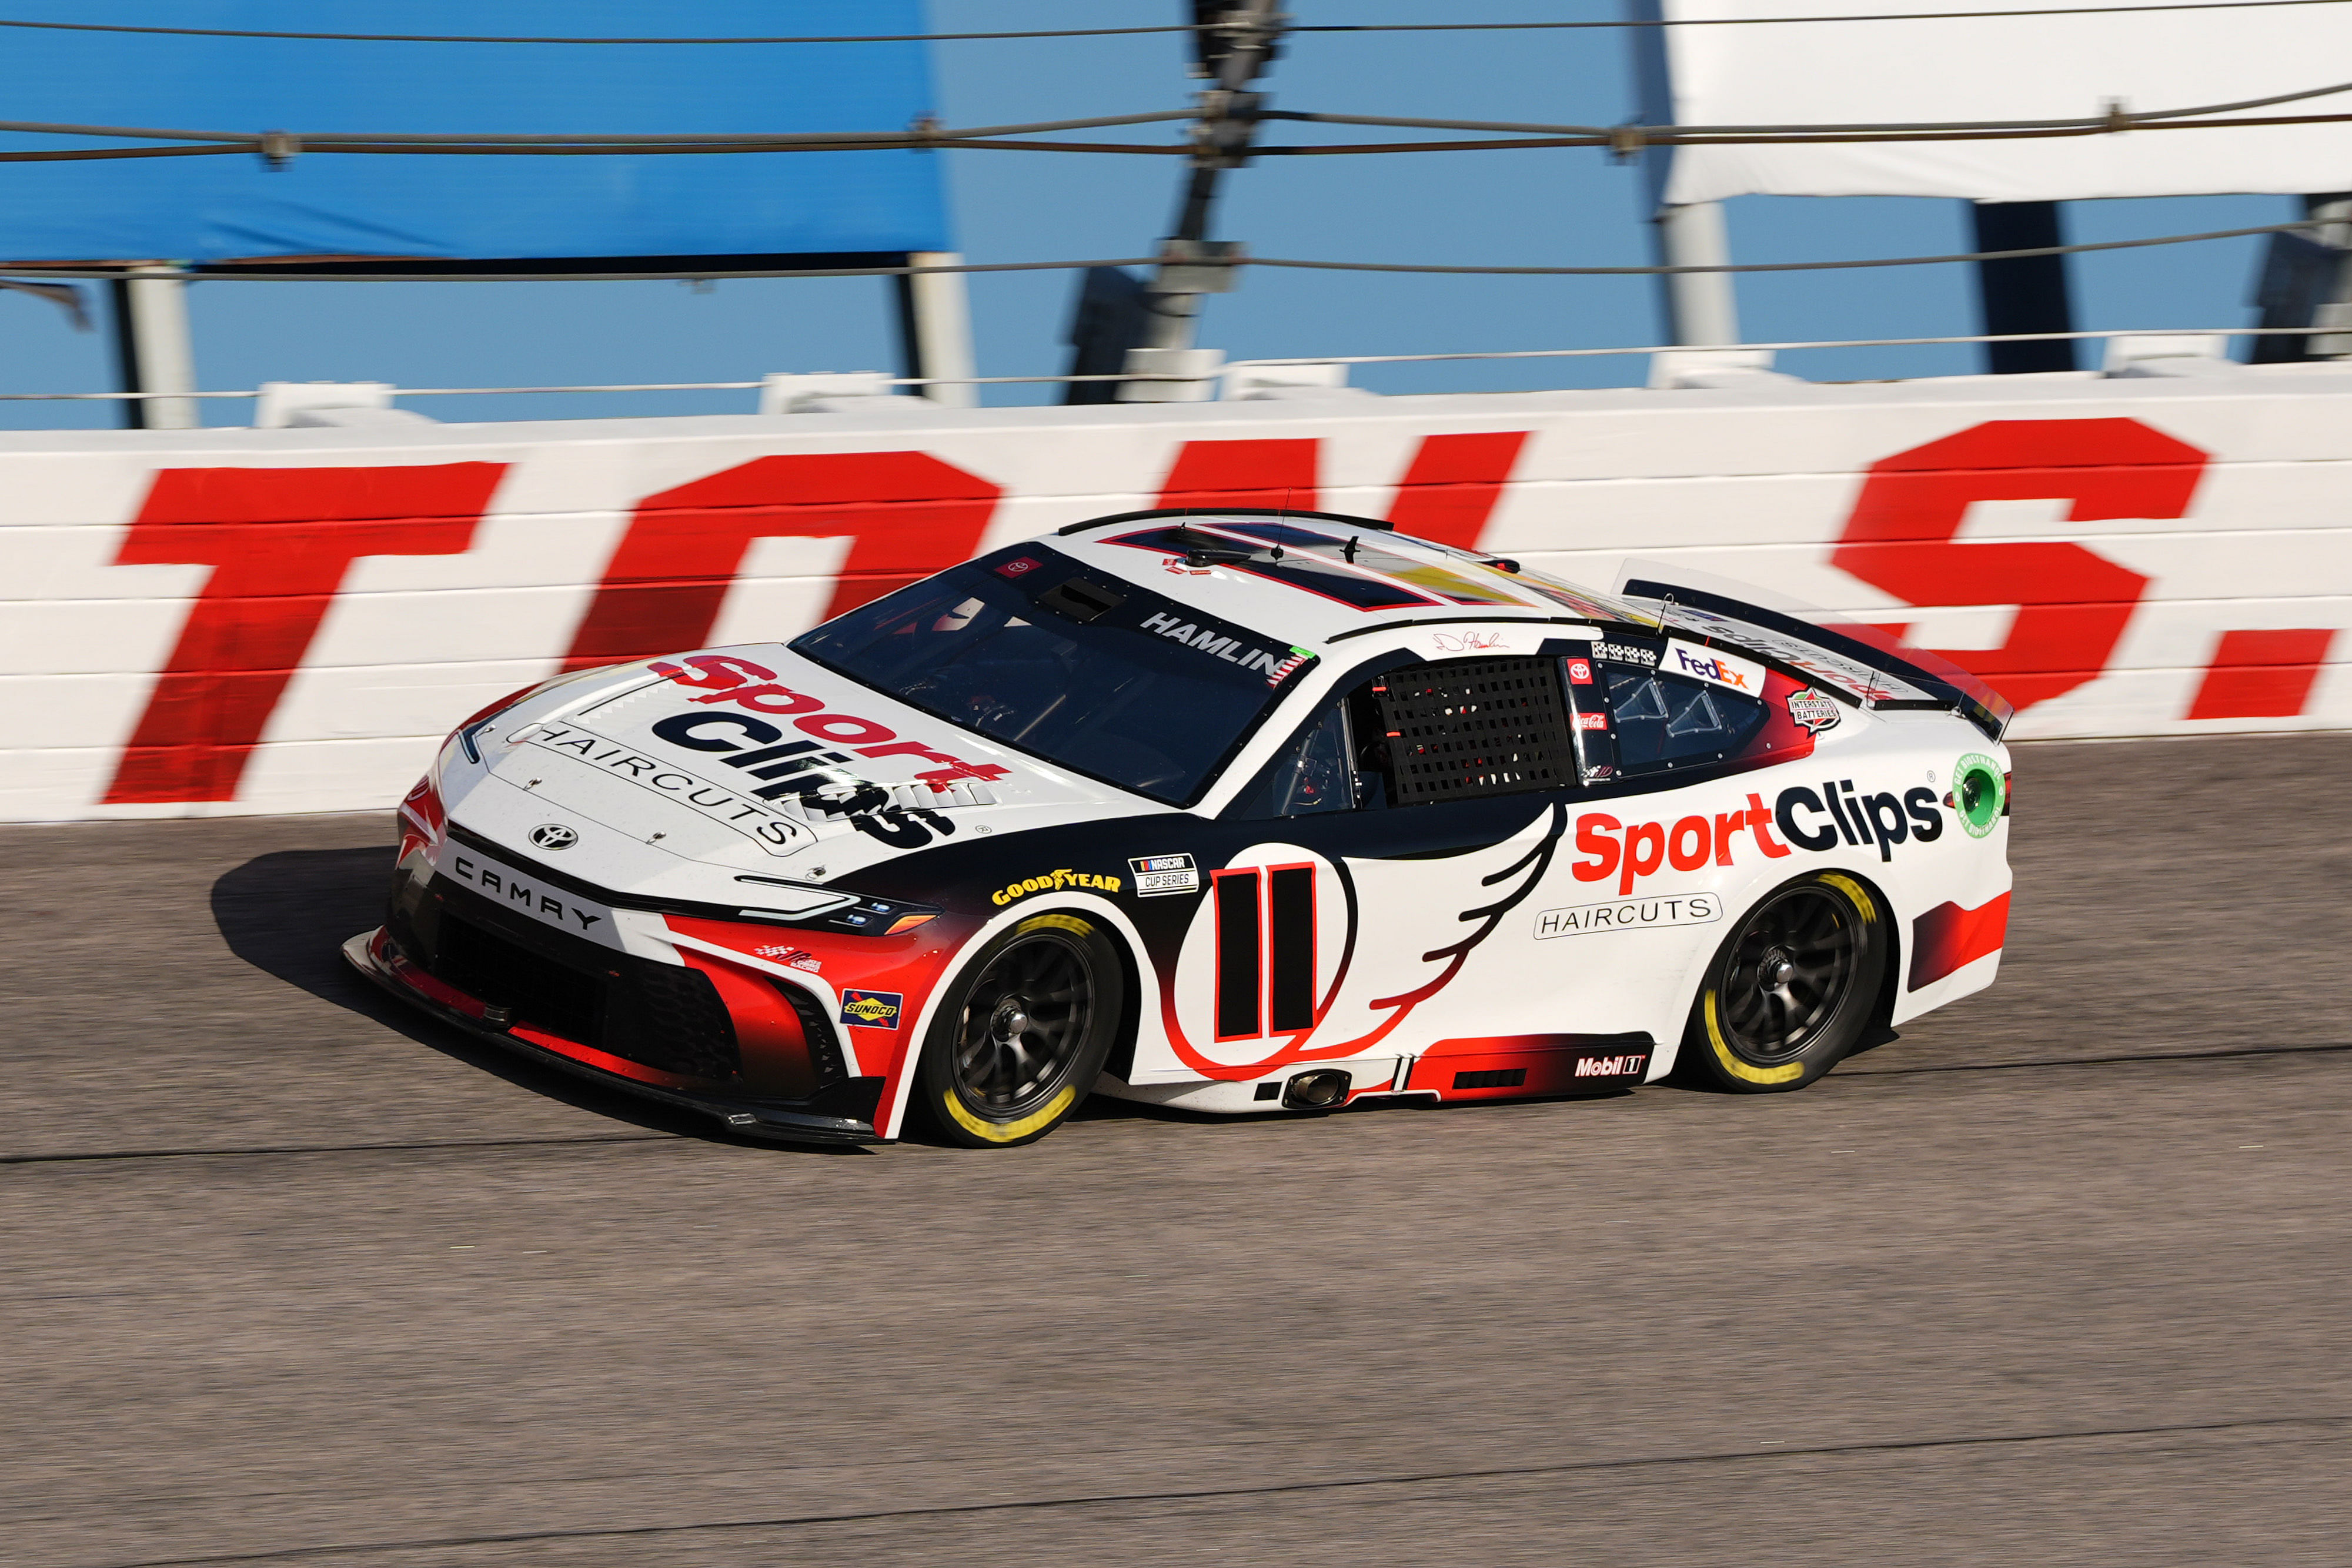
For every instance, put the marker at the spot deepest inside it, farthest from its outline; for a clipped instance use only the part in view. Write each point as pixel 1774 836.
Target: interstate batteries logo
pixel 1814 710
pixel 872 1009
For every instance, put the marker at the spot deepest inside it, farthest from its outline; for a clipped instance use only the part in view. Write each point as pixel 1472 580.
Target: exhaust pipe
pixel 1315 1091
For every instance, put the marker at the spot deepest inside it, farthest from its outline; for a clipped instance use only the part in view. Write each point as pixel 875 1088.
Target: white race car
pixel 1236 811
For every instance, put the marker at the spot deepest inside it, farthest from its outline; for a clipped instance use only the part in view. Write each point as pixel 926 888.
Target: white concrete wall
pixel 2147 525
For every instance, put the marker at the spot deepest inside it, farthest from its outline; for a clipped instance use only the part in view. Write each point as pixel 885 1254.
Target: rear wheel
pixel 1791 989
pixel 1024 1037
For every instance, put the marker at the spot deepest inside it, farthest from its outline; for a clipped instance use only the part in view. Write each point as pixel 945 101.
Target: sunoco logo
pixel 875 1010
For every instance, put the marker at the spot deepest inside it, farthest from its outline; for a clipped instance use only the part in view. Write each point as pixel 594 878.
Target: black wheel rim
pixel 1025 1021
pixel 1792 967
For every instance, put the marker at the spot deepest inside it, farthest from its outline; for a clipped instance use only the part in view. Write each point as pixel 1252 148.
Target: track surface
pixel 2060 1277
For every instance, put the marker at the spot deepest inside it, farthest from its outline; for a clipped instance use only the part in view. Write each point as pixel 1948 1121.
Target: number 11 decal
pixel 1265 951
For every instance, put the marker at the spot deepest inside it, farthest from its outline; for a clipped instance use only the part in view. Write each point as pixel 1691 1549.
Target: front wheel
pixel 1792 989
pixel 1024 1037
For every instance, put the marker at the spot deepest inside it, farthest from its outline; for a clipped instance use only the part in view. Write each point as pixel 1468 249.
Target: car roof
pixel 1311 578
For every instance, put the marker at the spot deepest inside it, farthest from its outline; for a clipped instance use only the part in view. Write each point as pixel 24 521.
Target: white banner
pixel 2026 67
pixel 285 621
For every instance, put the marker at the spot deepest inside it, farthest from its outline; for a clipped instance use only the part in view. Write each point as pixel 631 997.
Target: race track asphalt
pixel 2062 1276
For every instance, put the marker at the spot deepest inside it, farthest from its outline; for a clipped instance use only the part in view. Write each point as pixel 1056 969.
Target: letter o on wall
pixel 1695 830
pixel 842 731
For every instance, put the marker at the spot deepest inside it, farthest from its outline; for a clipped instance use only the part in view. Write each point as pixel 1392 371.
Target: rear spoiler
pixel 1933 682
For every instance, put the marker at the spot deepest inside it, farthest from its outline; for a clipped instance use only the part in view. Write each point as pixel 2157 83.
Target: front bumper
pixel 377 956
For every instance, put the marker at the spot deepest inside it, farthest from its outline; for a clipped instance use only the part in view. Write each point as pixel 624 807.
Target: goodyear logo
pixel 874 1009
pixel 1049 881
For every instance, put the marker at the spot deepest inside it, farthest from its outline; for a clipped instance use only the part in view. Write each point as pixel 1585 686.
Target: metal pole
pixel 1242 44
pixel 935 328
pixel 1702 308
pixel 2023 294
pixel 154 350
pixel 2306 281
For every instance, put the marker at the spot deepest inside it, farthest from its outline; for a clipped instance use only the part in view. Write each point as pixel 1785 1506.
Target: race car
pixel 1236 811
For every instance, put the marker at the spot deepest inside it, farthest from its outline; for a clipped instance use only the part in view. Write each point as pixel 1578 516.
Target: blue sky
pixel 1562 207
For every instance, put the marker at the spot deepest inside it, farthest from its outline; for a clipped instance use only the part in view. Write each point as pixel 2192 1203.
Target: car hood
pixel 676 777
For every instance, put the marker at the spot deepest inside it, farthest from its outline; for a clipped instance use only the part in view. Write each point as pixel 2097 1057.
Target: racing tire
pixel 1792 988
pixel 1023 1034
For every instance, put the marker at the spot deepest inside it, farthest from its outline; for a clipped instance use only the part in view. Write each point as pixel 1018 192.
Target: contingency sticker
pixel 1713 665
pixel 874 1009
pixel 1814 709
pixel 1157 874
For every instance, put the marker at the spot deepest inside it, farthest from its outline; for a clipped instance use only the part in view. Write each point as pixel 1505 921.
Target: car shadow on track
pixel 287 914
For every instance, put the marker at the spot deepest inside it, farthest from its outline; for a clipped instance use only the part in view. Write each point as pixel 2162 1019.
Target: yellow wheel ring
pixel 1037 1121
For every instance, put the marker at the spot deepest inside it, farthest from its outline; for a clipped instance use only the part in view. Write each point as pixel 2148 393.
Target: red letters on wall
pixel 279 541
pixel 2075 603
pixel 1447 494
pixel 906 514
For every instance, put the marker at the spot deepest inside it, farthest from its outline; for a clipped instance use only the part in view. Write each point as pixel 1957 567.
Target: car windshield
pixel 1086 670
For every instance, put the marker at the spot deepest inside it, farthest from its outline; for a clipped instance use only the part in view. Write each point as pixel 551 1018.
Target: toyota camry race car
pixel 1236 811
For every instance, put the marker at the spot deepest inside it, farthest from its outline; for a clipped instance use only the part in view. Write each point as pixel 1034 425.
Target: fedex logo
pixel 1715 666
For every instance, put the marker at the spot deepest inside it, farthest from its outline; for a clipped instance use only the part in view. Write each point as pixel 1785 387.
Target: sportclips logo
pixel 1881 819
pixel 810 770
pixel 1817 820
pixel 732 680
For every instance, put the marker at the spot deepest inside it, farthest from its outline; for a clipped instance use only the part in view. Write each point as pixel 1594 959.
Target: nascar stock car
pixel 1234 811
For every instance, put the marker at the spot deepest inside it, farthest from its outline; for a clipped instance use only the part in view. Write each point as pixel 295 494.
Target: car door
pixel 1361 874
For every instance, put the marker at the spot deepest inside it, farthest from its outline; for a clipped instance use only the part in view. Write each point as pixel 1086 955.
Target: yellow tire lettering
pixel 1788 1073
pixel 1070 923
pixel 1856 892
pixel 1037 1121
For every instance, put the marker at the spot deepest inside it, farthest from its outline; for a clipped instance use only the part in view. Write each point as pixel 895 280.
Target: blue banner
pixel 461 206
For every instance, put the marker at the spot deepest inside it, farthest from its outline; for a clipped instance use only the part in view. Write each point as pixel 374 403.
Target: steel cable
pixel 293 272
pixel 1619 24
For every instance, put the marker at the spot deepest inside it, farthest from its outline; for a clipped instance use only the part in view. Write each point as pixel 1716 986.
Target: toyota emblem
pixel 553 836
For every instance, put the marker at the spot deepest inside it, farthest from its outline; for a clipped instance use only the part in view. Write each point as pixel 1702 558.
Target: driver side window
pixel 1457 729
pixel 1315 773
